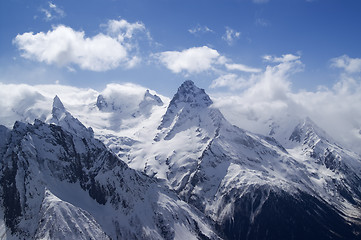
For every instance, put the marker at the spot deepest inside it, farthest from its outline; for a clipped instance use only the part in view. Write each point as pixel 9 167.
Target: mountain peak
pixel 307 129
pixel 150 98
pixel 57 103
pixel 190 106
pixel 188 84
pixel 188 92
pixel 58 108
pixel 63 118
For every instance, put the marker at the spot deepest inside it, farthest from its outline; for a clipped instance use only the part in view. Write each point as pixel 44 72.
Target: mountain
pixel 309 142
pixel 59 182
pixel 248 184
pixel 191 173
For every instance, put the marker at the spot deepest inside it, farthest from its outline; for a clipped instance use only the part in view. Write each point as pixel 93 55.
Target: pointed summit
pixel 308 130
pixel 58 110
pixel 186 104
pixel 189 93
pixel 61 117
pixel 101 102
pixel 57 103
pixel 150 99
pixel 190 107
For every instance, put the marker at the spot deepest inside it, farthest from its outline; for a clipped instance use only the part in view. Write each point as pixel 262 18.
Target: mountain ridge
pixel 247 185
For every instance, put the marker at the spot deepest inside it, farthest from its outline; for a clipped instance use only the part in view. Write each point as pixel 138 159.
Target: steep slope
pixel 57 184
pixel 184 132
pixel 240 179
pixel 318 150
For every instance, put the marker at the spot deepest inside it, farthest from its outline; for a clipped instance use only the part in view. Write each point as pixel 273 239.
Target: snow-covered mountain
pixel 309 142
pixel 294 183
pixel 241 180
pixel 58 182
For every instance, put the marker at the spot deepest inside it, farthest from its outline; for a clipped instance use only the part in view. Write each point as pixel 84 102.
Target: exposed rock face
pixel 57 184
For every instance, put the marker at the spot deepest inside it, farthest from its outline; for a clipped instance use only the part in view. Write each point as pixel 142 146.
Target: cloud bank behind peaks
pixel 64 46
pixel 268 96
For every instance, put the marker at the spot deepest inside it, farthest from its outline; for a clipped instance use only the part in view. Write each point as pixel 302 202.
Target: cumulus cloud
pixel 52 11
pixel 200 59
pixel 231 35
pixel 192 60
pixel 200 29
pixel 64 46
pixel 269 97
pixel 349 65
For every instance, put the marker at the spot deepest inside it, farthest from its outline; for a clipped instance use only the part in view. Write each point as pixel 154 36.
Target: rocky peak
pixel 150 99
pixel 101 102
pixel 61 117
pixel 58 110
pixel 189 93
pixel 308 129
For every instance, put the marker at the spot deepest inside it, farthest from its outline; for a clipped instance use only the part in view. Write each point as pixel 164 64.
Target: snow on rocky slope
pixel 241 180
pixel 58 182
pixel 339 168
pixel 295 183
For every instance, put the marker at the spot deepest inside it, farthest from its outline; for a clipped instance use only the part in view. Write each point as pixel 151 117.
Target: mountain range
pixel 172 169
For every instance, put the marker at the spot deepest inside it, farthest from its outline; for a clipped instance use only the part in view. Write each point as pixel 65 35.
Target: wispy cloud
pixel 52 11
pixel 282 59
pixel 231 81
pixel 231 35
pixel 262 22
pixel 123 29
pixel 64 46
pixel 200 29
pixel 242 68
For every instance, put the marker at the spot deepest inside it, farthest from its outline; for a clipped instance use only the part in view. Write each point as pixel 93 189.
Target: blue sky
pixel 315 31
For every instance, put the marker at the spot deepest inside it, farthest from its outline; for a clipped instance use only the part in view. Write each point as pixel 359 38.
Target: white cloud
pixel 231 35
pixel 192 60
pixel 200 59
pixel 283 58
pixel 269 96
pixel 350 65
pixel 200 29
pixel 64 46
pixel 231 81
pixel 242 68
pixel 124 30
pixel 26 103
pixel 268 84
pixel 52 12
